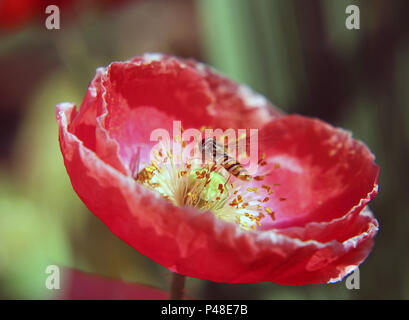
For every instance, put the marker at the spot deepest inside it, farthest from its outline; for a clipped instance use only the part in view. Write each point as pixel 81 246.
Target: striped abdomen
pixel 214 150
pixel 235 168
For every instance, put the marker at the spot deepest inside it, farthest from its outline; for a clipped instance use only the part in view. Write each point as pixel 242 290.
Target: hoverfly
pixel 211 149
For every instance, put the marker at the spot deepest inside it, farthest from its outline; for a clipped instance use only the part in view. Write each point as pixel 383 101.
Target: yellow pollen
pixel 271 213
pixel 150 169
pixel 234 203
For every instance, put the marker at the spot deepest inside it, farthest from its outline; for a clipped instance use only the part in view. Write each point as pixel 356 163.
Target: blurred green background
pixel 299 54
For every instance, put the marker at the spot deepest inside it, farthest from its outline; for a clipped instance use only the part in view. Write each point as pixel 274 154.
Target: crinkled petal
pixel 131 99
pixel 318 173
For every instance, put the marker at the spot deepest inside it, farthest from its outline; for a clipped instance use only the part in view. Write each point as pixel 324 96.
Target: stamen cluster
pixel 206 187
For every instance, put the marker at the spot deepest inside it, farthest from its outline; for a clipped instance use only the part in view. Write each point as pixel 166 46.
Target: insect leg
pixel 134 164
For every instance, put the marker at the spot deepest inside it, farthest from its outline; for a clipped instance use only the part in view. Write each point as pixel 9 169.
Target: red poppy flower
pixel 85 286
pixel 302 220
pixel 15 14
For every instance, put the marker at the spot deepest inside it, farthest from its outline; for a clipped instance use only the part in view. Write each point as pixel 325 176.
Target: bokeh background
pixel 299 54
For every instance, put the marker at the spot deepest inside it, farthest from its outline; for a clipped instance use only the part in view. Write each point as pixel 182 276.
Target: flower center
pixel 206 187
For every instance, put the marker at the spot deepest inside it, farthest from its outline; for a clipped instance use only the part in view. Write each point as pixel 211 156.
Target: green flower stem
pixel 178 286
